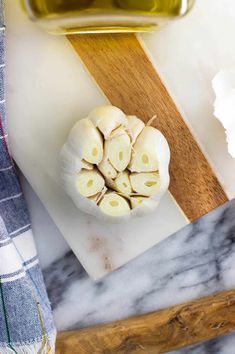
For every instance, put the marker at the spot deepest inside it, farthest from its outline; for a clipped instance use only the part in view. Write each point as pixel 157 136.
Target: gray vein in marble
pixel 197 261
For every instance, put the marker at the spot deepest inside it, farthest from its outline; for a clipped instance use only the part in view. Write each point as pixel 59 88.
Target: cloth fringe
pixel 43 347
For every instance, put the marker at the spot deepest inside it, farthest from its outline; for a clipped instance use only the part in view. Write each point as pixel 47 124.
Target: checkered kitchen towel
pixel 26 324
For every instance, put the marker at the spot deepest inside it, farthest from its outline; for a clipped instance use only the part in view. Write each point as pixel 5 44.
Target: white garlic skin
pixel 107 118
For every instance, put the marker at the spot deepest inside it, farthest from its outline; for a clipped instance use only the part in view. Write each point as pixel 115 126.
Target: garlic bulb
pixel 113 166
pixel 224 105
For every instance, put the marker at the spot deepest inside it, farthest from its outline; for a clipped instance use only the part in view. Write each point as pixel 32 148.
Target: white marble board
pixel 49 89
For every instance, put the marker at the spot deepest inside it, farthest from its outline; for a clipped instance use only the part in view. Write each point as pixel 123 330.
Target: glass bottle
pixel 91 16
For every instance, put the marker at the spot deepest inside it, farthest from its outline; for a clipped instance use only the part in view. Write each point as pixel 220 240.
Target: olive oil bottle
pixel 81 16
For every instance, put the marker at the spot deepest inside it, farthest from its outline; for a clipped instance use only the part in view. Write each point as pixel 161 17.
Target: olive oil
pixel 80 16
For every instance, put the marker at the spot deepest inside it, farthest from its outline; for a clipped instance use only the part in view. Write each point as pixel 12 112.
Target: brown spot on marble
pixel 96 243
pixel 107 263
pixel 99 245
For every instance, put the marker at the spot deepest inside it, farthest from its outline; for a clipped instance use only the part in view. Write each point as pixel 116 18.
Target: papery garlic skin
pixel 107 119
pixel 86 141
pixel 144 157
pixel 134 127
pixel 224 105
pixel 71 162
pixel 137 201
pixel 101 164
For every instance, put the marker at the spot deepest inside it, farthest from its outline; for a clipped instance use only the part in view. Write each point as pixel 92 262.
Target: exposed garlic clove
pixel 107 119
pixel 118 149
pixel 145 151
pixel 146 184
pixel 137 201
pixel 89 183
pixel 134 127
pixel 86 141
pixel 122 183
pixel 106 168
pixel 114 205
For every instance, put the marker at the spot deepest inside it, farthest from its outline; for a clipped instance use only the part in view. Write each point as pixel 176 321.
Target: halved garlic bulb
pixel 113 166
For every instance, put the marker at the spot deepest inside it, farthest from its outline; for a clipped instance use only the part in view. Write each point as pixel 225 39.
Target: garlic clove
pixel 145 150
pixel 106 168
pixel 86 141
pixel 134 127
pixel 118 149
pixel 89 183
pixel 137 201
pixel 149 145
pixel 122 183
pixel 114 205
pixel 107 119
pixel 146 184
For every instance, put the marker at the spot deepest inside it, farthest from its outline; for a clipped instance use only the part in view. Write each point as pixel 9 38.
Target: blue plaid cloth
pixel 26 324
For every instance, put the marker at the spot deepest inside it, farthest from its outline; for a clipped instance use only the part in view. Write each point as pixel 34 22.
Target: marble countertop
pixel 197 261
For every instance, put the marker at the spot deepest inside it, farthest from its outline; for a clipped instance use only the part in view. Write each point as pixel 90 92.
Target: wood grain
pixel 127 77
pixel 157 332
